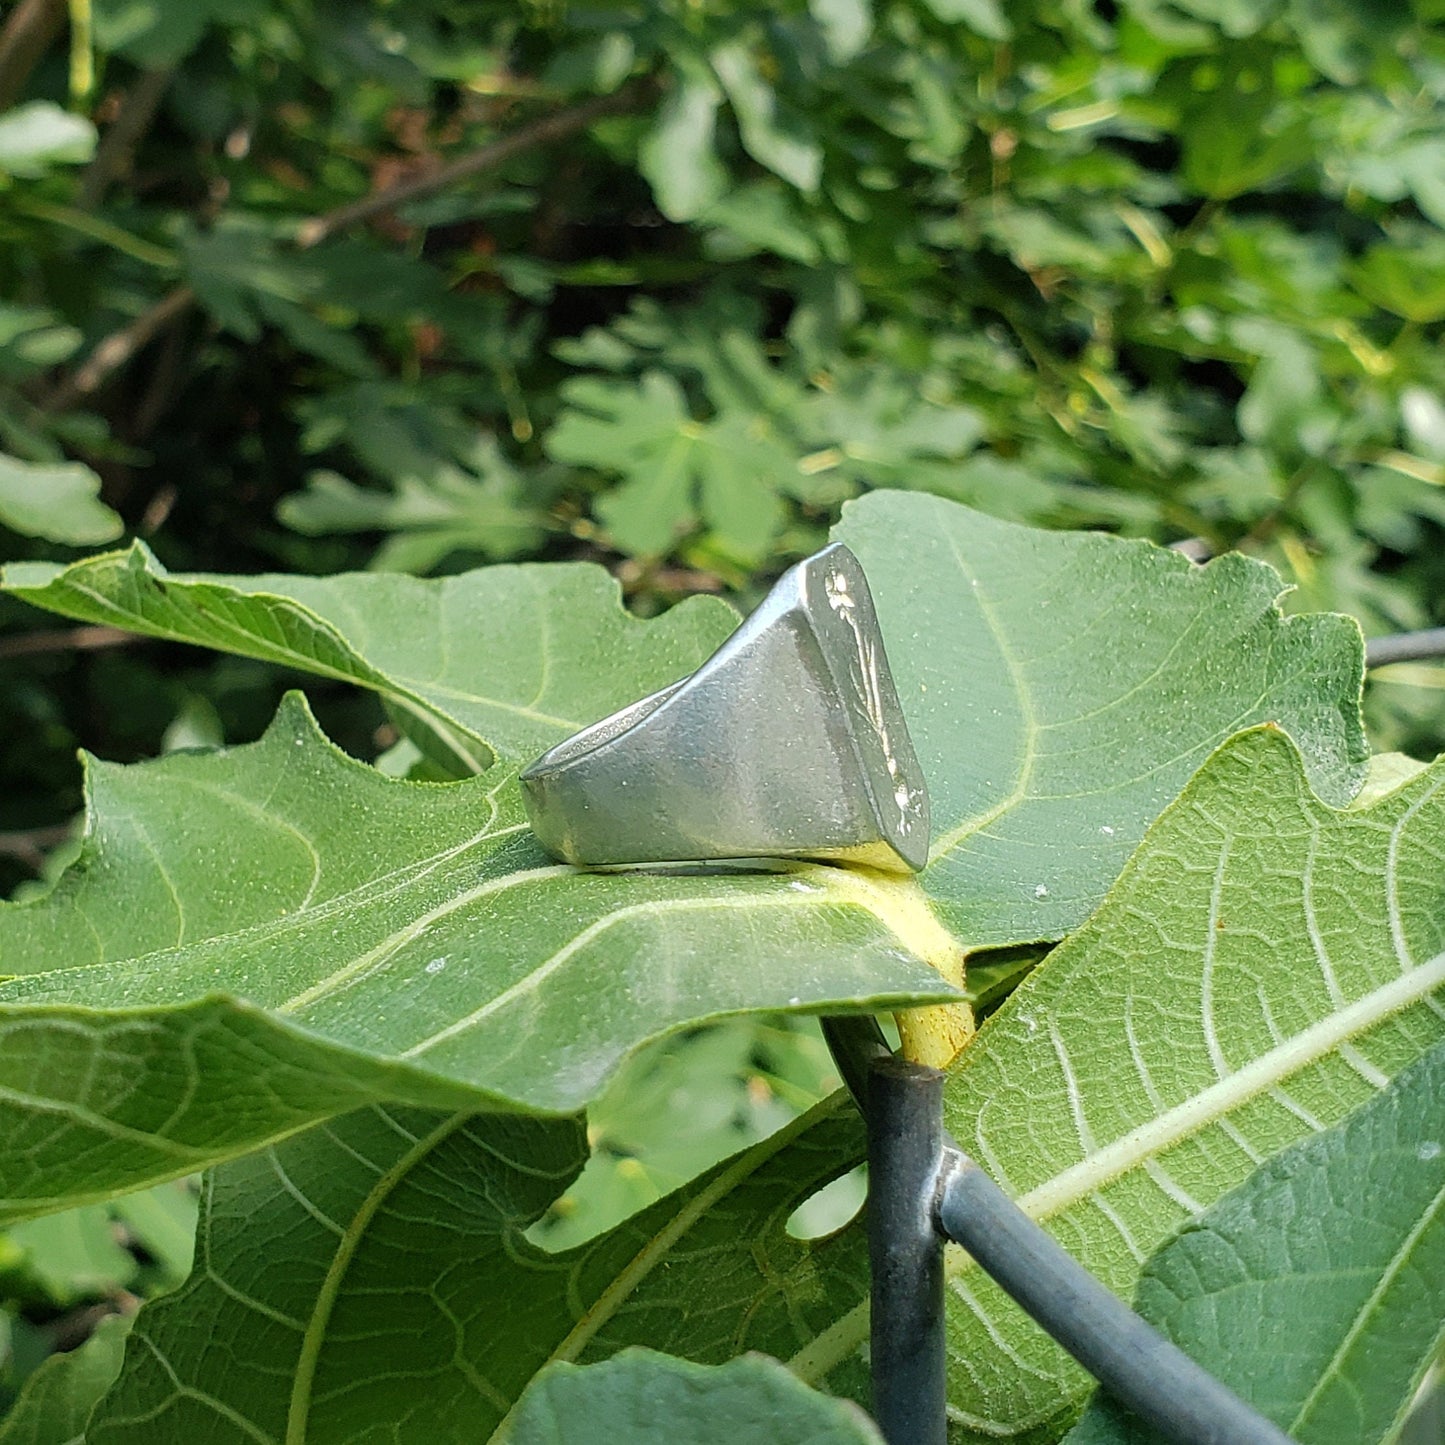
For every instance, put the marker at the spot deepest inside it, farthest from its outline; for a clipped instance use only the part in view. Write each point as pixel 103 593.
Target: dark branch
pixel 1405 647
pixel 536 133
pixel 118 348
pixel 112 156
pixel 28 33
pixel 69 639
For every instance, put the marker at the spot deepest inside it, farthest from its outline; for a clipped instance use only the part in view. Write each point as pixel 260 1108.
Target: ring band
pixel 788 742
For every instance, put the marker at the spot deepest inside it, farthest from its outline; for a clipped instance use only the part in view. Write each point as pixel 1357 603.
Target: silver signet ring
pixel 788 742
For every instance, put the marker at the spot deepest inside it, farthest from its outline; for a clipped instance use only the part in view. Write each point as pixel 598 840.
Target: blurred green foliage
pixel 63 1274
pixel 701 272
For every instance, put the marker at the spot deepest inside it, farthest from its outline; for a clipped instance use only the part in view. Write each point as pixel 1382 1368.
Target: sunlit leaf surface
pixel 258 939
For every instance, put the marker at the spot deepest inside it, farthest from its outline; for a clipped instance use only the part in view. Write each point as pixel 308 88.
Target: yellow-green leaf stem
pixel 933 1035
pixel 82 52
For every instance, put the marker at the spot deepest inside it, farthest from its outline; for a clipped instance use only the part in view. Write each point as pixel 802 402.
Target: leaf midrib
pixel 1225 1095
pixel 943 847
pixel 398 938
pixel 648 908
pixel 367 894
pixel 298 1411
pixel 1397 1262
pixel 656 1250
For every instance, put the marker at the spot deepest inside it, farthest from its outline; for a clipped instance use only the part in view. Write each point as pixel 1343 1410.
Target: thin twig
pixel 1405 647
pixel 536 133
pixel 168 377
pixel 633 575
pixel 118 348
pixel 1197 549
pixel 67 639
pixel 29 845
pixel 27 35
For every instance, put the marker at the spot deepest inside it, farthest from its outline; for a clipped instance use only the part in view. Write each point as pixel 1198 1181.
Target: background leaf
pixel 39 136
pixel 384 1216
pixel 1313 1288
pixel 74 1254
pixel 58 503
pixel 477 505
pixel 735 1083
pixel 58 1398
pixel 728 471
pixel 771 135
pixel 678 156
pixel 1060 689
pixel 643 1396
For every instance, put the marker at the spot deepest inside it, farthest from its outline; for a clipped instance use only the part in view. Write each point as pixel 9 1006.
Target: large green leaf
pixel 1060 688
pixel 1094 1096
pixel 503 659
pixel 284 909
pixel 1314 1288
pixel 654 1399
pixel 398 1294
pixel 1264 965
pixel 283 925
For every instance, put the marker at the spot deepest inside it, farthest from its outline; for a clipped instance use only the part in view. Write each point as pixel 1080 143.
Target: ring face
pixel 788 742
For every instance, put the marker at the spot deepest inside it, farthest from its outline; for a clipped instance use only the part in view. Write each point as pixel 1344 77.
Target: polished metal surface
pixel 788 742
